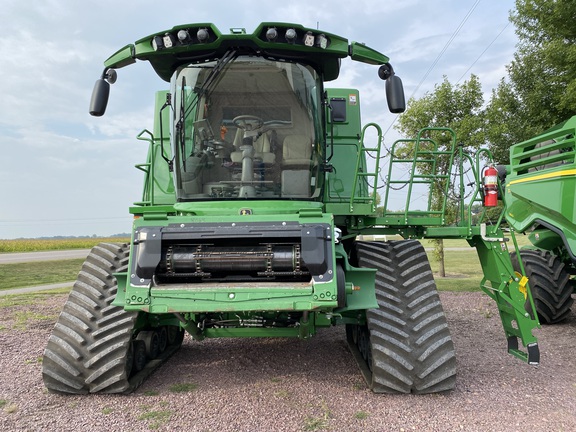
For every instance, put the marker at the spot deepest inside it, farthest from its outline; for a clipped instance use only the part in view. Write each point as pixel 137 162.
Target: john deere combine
pixel 540 188
pixel 257 191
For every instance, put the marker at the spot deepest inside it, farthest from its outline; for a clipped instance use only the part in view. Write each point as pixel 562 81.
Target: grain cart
pixel 540 186
pixel 257 190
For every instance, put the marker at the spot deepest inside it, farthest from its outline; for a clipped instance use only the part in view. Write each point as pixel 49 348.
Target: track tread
pixel 89 330
pixel 412 350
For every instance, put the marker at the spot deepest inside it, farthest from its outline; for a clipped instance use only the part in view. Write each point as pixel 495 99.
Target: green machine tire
pixel 550 283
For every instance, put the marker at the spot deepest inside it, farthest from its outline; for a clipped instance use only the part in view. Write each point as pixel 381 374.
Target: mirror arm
pixel 170 162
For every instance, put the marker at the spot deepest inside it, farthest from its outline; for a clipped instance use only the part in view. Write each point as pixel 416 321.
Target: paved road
pixel 13 258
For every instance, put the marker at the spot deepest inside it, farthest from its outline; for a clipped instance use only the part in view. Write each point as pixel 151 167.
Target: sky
pixel 65 173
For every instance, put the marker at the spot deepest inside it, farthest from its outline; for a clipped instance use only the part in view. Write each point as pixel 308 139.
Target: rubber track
pixel 550 283
pixel 411 347
pixel 88 347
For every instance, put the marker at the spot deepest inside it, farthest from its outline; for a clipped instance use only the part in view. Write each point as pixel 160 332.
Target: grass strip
pixel 463 271
pixel 38 273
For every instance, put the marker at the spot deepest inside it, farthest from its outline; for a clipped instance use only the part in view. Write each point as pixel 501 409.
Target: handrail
pixel 147 168
pixel 358 172
pixel 421 151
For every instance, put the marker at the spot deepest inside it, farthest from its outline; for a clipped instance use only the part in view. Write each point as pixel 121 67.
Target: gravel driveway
pixel 293 385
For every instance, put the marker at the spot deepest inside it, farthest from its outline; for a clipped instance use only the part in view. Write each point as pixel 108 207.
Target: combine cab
pixel 257 191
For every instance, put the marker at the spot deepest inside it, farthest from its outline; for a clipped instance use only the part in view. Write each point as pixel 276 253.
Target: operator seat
pixel 296 162
pixel 262 149
pixel 296 152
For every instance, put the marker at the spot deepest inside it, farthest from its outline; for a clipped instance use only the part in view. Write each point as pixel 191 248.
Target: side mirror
pixel 394 89
pixel 101 91
pixel 99 99
pixel 395 95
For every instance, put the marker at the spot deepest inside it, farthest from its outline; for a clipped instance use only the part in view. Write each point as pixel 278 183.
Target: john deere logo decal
pixel 245 211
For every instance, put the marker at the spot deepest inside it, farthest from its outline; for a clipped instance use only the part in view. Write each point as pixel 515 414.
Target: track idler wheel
pixel 162 338
pixel 139 356
pixel 151 341
pixel 175 335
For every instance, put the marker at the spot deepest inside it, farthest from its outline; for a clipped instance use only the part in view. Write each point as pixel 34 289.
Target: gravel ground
pixel 293 385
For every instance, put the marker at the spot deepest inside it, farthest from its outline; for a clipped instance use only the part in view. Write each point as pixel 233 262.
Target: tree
pixel 541 87
pixel 457 107
pixel 504 124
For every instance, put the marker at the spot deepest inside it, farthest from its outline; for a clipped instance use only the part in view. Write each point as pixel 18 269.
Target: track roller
pixel 151 340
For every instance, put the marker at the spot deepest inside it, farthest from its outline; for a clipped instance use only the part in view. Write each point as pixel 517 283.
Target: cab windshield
pixel 246 127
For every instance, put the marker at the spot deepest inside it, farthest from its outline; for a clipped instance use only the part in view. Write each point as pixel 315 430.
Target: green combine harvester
pixel 259 188
pixel 540 185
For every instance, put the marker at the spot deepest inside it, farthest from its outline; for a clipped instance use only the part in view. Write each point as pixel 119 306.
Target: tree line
pixel 538 92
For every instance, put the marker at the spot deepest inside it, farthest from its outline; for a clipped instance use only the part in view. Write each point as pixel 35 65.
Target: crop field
pixel 35 245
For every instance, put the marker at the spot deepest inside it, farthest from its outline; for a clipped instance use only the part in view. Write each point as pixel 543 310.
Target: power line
pixel 483 52
pixel 435 62
pixel 445 47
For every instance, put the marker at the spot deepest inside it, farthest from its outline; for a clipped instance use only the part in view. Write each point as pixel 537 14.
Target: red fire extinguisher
pixel 490 187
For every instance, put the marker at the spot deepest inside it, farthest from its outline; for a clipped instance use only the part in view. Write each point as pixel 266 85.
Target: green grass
pixel 22 319
pixel 156 418
pixel 319 421
pixel 463 271
pixel 183 387
pixel 38 273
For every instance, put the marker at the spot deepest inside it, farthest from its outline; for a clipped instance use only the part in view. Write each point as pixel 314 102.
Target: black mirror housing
pixel 395 95
pixel 99 99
